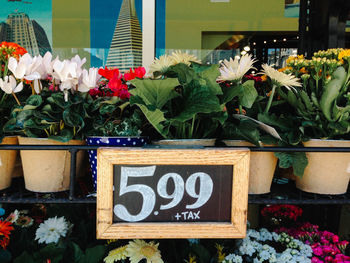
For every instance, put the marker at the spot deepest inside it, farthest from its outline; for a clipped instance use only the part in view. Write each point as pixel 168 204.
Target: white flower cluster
pixel 258 247
pixel 67 74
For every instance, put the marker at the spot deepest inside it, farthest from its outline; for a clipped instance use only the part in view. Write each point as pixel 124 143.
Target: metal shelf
pixel 281 193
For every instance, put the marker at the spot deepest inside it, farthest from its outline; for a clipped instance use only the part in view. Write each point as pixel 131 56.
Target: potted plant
pixel 9 86
pixel 323 106
pixel 112 121
pixel 53 114
pixel 181 99
pixel 252 122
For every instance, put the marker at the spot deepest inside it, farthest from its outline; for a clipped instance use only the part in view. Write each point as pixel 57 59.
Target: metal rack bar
pixel 17 194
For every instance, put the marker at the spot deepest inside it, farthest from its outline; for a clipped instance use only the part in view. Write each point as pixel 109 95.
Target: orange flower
pixel 263 78
pixel 244 112
pixel 5 228
pixel 303 70
pixel 284 69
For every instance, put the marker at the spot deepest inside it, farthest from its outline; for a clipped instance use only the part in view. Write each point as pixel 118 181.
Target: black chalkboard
pixel 148 193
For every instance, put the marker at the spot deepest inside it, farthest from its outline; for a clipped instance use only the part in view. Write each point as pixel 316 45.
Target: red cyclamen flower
pixel 108 73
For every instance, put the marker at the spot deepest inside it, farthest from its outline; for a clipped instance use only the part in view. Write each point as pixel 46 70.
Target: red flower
pixel 137 73
pixel 118 88
pixel 108 73
pixel 4 242
pixel 5 228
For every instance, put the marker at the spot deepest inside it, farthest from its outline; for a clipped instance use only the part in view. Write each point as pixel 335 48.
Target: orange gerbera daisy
pixel 5 228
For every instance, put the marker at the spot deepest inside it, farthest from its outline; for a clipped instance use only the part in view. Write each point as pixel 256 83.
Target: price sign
pixel 172 193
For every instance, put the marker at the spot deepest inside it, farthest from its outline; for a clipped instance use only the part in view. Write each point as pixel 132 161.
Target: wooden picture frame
pixel 108 157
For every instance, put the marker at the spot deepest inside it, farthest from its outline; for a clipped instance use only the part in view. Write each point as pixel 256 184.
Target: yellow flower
pixel 179 57
pixel 116 255
pixel 221 255
pixel 344 54
pixel 191 259
pixel 139 249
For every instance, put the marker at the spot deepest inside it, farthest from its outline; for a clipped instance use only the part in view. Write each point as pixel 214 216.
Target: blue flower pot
pixel 110 141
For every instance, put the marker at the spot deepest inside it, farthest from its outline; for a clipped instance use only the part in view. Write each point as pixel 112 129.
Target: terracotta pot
pixel 186 142
pixel 262 168
pixel 45 170
pixel 7 162
pixel 326 173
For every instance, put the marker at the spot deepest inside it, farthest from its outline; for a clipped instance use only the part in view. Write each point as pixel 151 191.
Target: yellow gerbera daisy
pixel 116 255
pixel 180 57
pixel 139 249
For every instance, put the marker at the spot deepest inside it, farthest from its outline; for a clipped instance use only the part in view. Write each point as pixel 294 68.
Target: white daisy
pixel 51 230
pixel 183 57
pixel 161 64
pixel 279 78
pixel 234 70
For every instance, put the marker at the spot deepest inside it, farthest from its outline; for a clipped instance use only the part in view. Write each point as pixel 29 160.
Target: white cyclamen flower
pixel 51 230
pixel 80 62
pixel 281 79
pixel 234 70
pixel 66 72
pixel 89 80
pixel 9 85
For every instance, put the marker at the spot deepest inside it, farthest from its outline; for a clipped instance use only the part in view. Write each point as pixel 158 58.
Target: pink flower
pixel 317 251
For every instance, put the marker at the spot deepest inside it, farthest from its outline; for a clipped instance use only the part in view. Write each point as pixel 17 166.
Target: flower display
pixel 51 230
pixel 265 246
pixel 326 246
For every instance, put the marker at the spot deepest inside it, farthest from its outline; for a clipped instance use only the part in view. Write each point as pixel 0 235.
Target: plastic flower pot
pixel 326 173
pixel 186 142
pixel 261 169
pixel 7 162
pixel 48 170
pixel 109 141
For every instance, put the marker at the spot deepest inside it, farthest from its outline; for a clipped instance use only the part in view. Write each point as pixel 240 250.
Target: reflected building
pixel 126 47
pixel 25 32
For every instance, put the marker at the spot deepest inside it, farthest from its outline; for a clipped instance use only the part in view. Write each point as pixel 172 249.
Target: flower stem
pixel 14 95
pixel 192 127
pixel 270 99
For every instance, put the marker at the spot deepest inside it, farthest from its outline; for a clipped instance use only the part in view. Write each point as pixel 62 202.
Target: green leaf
pixel 229 93
pixel 93 255
pixel 210 74
pixel 274 120
pixel 107 108
pixel 249 94
pixel 155 92
pixel 331 92
pixel 34 100
pixel 184 73
pixel 297 160
pixel 196 100
pixel 65 136
pixel 72 119
pixel 306 100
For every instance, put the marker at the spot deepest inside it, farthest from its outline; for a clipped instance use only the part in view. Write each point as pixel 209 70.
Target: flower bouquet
pixel 181 100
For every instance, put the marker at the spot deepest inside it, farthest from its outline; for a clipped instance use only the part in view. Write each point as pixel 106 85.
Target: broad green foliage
pixel 49 116
pixel 183 103
pixel 323 113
